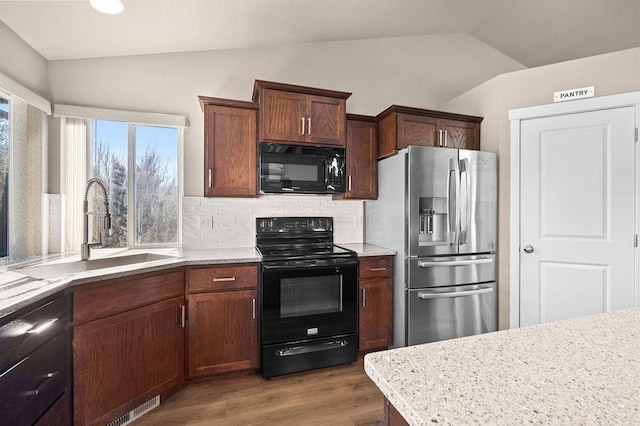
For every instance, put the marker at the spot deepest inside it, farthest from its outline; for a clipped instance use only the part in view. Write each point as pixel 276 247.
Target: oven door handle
pixel 298 350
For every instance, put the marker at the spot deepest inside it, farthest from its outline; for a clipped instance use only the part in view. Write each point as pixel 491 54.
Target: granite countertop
pixel 578 371
pixel 19 289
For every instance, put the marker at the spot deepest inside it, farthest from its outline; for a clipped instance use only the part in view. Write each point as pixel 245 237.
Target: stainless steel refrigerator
pixel 437 207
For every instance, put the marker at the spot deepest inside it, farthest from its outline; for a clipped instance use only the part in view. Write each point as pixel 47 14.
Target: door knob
pixel 528 249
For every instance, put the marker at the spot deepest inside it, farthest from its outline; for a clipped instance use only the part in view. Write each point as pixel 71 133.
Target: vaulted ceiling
pixel 532 32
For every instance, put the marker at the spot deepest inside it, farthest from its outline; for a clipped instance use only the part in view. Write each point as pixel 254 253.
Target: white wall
pixel 612 73
pixel 415 71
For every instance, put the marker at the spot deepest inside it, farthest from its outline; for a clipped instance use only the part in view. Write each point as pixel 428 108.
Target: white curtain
pixel 26 183
pixel 74 171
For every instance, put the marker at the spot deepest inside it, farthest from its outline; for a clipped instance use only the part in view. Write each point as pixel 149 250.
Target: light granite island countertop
pixel 577 371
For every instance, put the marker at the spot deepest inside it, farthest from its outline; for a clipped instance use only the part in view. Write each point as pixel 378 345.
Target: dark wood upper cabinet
pixel 362 167
pixel 399 127
pixel 230 147
pixel 300 115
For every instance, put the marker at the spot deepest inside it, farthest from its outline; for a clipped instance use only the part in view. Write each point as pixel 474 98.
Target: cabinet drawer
pixel 35 383
pixel 376 267
pixel 22 335
pixel 222 278
pixel 120 295
pixel 59 414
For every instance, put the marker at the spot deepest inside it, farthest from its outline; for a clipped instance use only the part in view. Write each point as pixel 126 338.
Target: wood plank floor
pixel 333 396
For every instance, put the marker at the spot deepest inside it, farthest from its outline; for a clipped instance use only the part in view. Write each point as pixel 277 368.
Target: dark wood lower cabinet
pixel 123 360
pixel 222 332
pixel 391 416
pixel 223 319
pixel 376 303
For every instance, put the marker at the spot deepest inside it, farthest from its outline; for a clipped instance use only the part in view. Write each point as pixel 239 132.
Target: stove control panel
pixel 294 224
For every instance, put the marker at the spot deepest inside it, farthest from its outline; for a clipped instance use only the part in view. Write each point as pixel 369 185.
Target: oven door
pixel 309 300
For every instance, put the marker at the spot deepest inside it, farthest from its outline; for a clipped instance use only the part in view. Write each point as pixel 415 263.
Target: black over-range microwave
pixel 301 169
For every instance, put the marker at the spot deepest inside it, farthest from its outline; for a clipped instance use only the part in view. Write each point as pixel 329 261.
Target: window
pixel 140 167
pixel 4 177
pixel 139 164
pixel 138 156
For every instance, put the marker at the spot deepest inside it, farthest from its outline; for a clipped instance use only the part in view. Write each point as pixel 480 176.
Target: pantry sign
pixel 569 95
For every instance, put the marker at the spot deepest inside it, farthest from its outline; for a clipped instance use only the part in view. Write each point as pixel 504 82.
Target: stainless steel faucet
pixel 85 246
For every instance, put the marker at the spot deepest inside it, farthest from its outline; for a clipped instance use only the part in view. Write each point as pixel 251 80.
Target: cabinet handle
pixel 43 384
pixel 253 308
pixel 183 316
pixel 446 137
pixel 224 279
pixel 302 132
pixel 364 297
pixel 439 137
pixel 349 179
pixel 210 178
pixel 377 269
pixel 309 126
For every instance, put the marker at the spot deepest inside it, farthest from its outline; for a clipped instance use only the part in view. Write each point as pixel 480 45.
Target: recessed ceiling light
pixel 110 7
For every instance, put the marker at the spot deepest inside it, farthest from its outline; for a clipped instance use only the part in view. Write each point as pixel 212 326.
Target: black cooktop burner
pixel 298 238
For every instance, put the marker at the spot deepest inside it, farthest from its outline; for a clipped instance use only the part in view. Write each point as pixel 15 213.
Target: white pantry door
pixel 577 198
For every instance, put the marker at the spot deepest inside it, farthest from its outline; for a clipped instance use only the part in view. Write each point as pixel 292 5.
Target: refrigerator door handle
pixel 454 201
pixel 426 295
pixel 465 211
pixel 429 264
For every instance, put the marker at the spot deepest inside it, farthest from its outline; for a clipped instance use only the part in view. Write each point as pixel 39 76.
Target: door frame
pixel 631 99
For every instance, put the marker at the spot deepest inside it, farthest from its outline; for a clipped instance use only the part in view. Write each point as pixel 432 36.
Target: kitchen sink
pixel 61 269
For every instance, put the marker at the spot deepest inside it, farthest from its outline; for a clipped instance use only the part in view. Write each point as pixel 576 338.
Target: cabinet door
pixel 223 332
pixel 326 121
pixel 124 360
pixel 282 116
pixel 417 130
pixel 376 311
pixel 461 134
pixel 362 166
pixel 230 151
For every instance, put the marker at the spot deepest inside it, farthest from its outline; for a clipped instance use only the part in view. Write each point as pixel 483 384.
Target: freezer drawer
pixel 447 312
pixel 450 270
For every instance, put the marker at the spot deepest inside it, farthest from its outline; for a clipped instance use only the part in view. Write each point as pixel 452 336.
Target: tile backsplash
pixel 231 222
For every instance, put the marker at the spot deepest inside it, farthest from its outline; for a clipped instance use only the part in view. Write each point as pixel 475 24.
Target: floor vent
pixel 137 412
